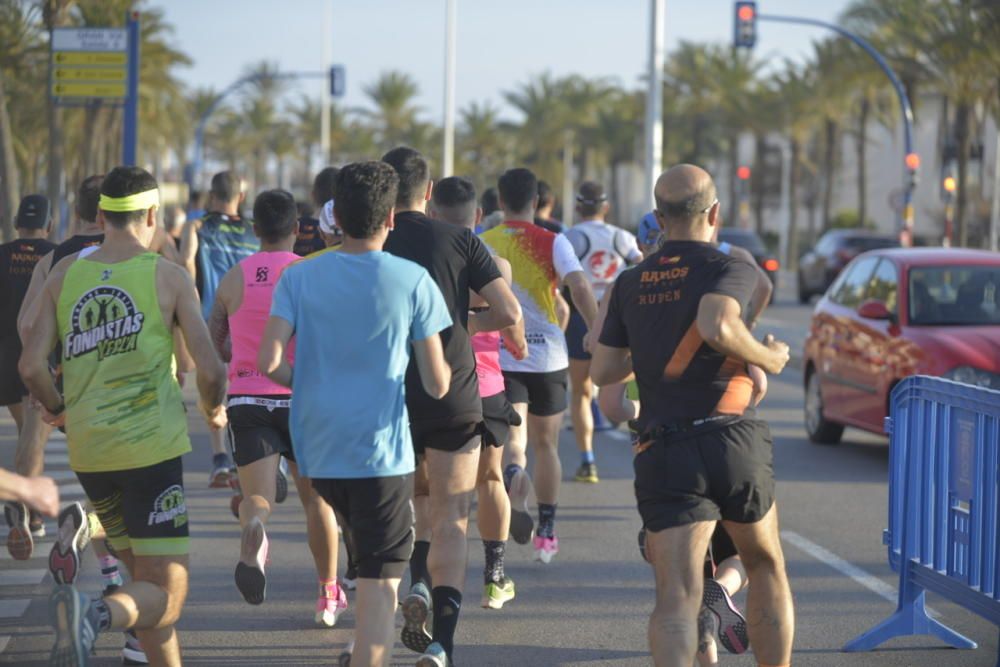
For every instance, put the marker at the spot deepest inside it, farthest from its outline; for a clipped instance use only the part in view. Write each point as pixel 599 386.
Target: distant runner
pixel 309 238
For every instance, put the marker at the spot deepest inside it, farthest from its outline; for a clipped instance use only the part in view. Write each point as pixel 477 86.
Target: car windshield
pixel 955 295
pixel 744 239
pixel 866 243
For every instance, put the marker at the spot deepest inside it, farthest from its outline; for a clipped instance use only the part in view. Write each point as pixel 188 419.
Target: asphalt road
pixel 587 608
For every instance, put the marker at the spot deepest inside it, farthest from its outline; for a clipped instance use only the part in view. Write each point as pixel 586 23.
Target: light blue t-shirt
pixel 354 318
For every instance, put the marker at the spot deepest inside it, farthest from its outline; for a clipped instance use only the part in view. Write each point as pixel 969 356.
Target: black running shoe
pixel 732 627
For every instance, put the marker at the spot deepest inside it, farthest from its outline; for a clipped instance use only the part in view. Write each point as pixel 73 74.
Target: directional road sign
pixel 89 63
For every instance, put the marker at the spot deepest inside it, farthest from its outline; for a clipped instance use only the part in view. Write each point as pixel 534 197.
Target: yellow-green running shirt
pixel 123 404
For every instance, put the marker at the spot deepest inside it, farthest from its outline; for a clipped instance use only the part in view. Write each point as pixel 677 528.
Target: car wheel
pixel 820 431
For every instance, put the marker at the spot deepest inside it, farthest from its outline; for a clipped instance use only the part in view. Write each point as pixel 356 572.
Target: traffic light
pixel 949 184
pixel 745 25
pixel 338 81
pixel 743 173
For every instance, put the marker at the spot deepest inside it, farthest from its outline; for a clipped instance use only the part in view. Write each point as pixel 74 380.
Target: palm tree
pixel 55 13
pixel 483 148
pixel 395 113
pixel 540 137
pixel 260 113
pixel 306 122
pixel 618 130
pixel 687 77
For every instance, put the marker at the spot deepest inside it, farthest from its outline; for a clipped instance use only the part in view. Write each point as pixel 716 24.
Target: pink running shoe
pixel 332 602
pixel 546 548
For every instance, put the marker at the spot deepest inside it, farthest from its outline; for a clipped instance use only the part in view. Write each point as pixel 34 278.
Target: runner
pixel 604 251
pixel 349 428
pixel 309 238
pixel 543 212
pixel 210 246
pixel 114 311
pixel 536 386
pixel 454 202
pixel 258 409
pixel 447 433
pixel 702 455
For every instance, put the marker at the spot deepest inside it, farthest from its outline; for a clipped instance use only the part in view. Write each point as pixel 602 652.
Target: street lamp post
pixel 654 97
pixel 448 159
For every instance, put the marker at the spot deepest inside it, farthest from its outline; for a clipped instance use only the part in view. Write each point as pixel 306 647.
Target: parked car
pixel 895 313
pixel 751 241
pixel 819 267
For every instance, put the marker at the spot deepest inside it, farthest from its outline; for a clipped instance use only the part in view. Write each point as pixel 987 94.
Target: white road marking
pixel 615 434
pixel 22 577
pixel 13 608
pixel 4 640
pixel 871 582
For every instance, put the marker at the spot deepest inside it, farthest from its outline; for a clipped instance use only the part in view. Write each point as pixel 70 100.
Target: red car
pixel 893 313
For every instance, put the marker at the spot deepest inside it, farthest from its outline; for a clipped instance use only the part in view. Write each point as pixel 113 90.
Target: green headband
pixel 140 201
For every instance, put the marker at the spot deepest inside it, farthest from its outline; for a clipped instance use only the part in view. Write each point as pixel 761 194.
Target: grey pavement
pixel 587 608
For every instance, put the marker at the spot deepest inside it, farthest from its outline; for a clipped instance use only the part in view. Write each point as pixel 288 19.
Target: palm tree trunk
pixel 829 170
pixel 8 168
pixel 962 117
pixel 861 145
pixel 757 180
pixel 793 206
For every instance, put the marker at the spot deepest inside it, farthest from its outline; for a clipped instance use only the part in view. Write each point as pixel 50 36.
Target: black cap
pixel 33 213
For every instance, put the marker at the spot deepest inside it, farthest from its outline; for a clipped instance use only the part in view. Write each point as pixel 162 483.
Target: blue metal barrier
pixel 944 525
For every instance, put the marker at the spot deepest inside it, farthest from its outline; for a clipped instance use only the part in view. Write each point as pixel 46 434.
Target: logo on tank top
pixel 104 320
pixel 604 265
pixel 262 274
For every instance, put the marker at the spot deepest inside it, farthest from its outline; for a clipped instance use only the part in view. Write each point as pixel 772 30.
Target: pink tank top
pixel 487 348
pixel 246 326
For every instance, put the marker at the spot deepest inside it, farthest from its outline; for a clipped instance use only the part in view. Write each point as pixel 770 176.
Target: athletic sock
pixel 418 564
pixel 99 615
pixel 588 457
pixel 508 475
pixel 109 570
pixel 493 572
pixel 546 520
pixel 329 589
pixel 219 460
pixel 447 603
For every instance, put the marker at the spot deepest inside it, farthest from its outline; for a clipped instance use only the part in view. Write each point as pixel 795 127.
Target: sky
pixel 500 43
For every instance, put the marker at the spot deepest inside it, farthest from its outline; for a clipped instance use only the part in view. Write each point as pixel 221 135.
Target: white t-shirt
pixel 604 252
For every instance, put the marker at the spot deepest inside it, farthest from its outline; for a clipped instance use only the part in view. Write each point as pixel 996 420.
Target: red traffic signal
pixel 743 173
pixel 745 25
pixel 912 161
pixel 745 13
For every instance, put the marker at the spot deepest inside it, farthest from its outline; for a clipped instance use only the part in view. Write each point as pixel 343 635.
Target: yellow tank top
pixel 123 405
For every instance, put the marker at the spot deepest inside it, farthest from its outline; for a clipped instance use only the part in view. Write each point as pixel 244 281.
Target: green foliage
pixel 848 219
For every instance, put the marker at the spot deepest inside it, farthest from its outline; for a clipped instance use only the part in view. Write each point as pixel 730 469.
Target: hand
pixel 41 494
pixel 779 355
pixel 58 420
pixel 759 378
pixel 215 417
pixel 517 349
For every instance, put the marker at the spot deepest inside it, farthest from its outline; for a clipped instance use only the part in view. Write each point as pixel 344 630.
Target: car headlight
pixel 974 376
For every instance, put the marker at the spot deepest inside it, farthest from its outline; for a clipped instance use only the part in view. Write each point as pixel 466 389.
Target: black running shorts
pixel 378 512
pixel 721 548
pixel 12 390
pixel 259 431
pixel 545 393
pixel 142 509
pixel 444 436
pixel 498 416
pixel 723 472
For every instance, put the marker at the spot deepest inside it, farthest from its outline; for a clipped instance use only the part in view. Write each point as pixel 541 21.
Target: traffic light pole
pixel 910 162
pixel 130 117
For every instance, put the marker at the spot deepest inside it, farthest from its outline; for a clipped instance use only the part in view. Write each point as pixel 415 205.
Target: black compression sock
pixel 447 603
pixel 100 615
pixel 546 520
pixel 418 564
pixel 494 550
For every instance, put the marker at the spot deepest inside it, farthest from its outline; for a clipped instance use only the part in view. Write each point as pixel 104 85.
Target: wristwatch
pixel 58 411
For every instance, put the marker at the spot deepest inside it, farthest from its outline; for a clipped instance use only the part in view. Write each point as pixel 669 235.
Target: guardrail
pixel 944 524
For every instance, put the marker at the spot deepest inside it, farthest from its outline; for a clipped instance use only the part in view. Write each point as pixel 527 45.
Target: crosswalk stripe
pixel 56 459
pixel 61 475
pixel 4 640
pixel 13 608
pixel 22 577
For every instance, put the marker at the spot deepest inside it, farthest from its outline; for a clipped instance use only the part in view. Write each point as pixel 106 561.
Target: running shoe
pixel 732 627
pixel 546 548
pixel 249 574
pixel 20 541
pixel 434 656
pixel 281 483
pixel 132 653
pixel 344 660
pixel 222 470
pixel 76 627
pixel 72 538
pixel 416 609
pixel 35 524
pixel 496 594
pixel 522 526
pixel 349 581
pixel 587 472
pixel 328 609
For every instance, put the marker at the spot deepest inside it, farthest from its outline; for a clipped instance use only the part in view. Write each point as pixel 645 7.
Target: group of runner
pixel 398 372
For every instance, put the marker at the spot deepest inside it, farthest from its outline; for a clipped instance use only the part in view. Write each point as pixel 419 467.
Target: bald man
pixel 680 319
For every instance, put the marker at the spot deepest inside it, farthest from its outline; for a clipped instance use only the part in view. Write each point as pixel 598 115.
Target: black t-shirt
pixel 553 226
pixel 308 240
pixel 75 244
pixel 17 261
pixel 457 261
pixel 653 312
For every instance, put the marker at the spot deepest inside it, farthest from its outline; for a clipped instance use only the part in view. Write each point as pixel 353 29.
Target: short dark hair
pixel 454 191
pixel 225 186
pixel 123 182
pixel 590 198
pixel 518 187
pixel 324 185
pixel 490 201
pixel 275 215
pixel 88 197
pixel 545 196
pixel 367 192
pixel 413 173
